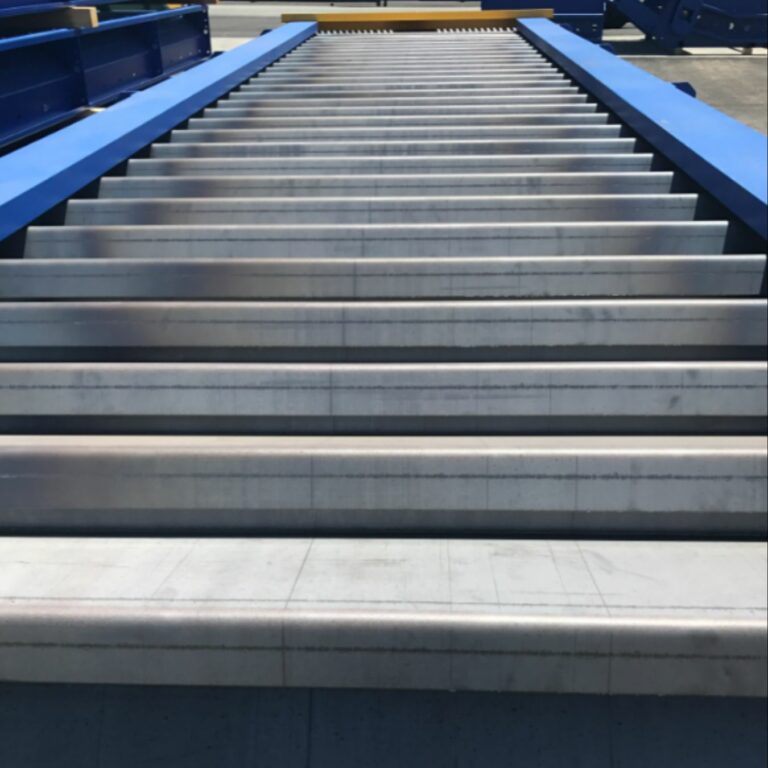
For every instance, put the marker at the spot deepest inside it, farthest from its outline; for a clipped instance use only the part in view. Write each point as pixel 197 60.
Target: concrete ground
pixel 728 80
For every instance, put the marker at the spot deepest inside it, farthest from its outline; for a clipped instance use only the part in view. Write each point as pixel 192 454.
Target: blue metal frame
pixel 48 77
pixel 584 17
pixel 37 177
pixel 725 157
pixel 679 23
pixel 10 8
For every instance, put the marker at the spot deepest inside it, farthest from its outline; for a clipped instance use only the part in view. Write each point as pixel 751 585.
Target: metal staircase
pixel 417 303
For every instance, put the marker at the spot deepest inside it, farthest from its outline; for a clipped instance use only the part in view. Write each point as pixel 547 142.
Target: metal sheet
pixel 182 161
pixel 532 96
pixel 244 118
pixel 660 324
pixel 195 145
pixel 382 210
pixel 204 180
pixel 523 82
pixel 489 485
pixel 508 106
pixel 377 240
pixel 627 276
pixel 365 95
pixel 207 131
pixel 652 617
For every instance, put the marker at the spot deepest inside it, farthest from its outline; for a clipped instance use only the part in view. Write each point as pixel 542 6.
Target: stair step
pixel 201 159
pixel 223 144
pixel 208 130
pixel 331 96
pixel 311 75
pixel 380 210
pixel 414 398
pixel 433 58
pixel 508 328
pixel 224 118
pixel 522 82
pixel 456 99
pixel 609 617
pixel 699 238
pixel 398 66
pixel 459 486
pixel 366 279
pixel 557 104
pixel 212 178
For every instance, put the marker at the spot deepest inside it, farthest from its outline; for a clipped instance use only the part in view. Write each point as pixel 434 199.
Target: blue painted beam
pixel 62 71
pixel 584 17
pixel 48 36
pixel 10 8
pixel 39 176
pixel 725 157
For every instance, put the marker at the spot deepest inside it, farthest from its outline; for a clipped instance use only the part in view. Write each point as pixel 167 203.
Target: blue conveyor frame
pixel 714 23
pixel 727 159
pixel 50 77
pixel 39 176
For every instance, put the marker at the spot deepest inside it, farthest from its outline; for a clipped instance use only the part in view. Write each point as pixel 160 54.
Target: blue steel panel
pixel 24 7
pixel 127 54
pixel 47 77
pixel 728 159
pixel 180 41
pixel 558 6
pixel 39 85
pixel 34 38
pixel 39 176
pixel 587 25
pixel 584 17
pixel 677 23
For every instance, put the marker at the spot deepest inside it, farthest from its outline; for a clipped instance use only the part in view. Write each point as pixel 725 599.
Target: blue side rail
pixel 724 157
pixel 37 177
pixel 48 77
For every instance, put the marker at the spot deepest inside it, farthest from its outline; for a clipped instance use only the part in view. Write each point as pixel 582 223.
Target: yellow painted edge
pixel 403 22
pixel 510 15
pixel 68 16
pixel 84 16
pixel 411 26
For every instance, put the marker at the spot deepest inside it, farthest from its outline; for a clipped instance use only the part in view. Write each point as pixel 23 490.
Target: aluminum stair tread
pixel 213 144
pixel 201 159
pixel 380 209
pixel 654 322
pixel 553 104
pixel 205 131
pixel 323 279
pixel 379 240
pixel 223 118
pixel 352 612
pixel 202 178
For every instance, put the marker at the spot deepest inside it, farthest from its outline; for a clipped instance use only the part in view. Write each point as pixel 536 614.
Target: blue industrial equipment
pixel 262 392
pixel 37 177
pixel 584 17
pixel 10 8
pixel 678 23
pixel 725 157
pixel 48 77
pixel 13 7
